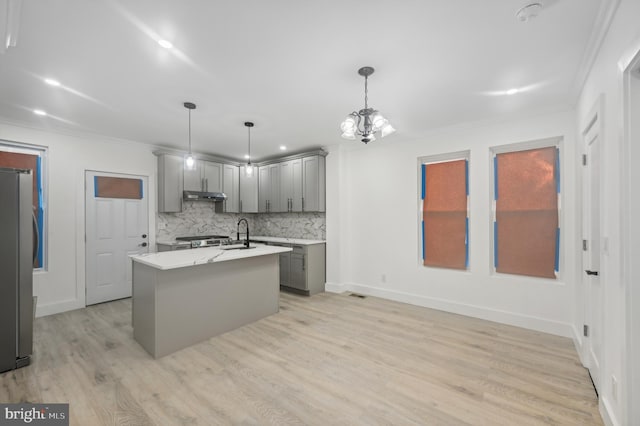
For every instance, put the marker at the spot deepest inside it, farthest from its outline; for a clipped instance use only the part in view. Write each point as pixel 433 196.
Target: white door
pixel 115 227
pixel 591 251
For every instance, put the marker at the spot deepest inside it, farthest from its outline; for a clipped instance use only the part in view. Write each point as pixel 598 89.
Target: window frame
pixel 42 152
pixel 435 159
pixel 556 142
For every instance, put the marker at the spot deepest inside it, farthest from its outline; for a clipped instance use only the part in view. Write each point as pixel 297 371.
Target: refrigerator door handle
pixel 36 237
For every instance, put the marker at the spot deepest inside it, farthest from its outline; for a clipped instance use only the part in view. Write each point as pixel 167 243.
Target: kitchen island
pixel 184 297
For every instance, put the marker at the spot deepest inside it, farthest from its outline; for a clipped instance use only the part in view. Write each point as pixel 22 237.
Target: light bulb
pixel 387 129
pixel 248 169
pixel 378 122
pixel 190 162
pixel 349 124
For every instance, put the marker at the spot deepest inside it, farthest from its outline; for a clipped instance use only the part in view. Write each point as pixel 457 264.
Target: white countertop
pixel 298 241
pixel 183 258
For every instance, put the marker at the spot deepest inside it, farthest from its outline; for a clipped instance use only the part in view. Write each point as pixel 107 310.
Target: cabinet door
pixel 298 275
pixel 285 265
pixel 264 188
pixel 313 192
pixel 274 188
pixel 231 188
pixel 296 195
pixel 170 183
pixel 248 191
pixel 212 176
pixel 286 185
pixel 193 178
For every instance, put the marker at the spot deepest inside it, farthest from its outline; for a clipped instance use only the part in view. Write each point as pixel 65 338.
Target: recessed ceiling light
pixel 246 156
pixel 39 112
pixel 52 82
pixel 165 43
pixel 511 91
pixel 283 148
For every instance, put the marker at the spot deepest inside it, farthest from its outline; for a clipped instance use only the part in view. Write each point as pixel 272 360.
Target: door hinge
pixel 585 330
pixel 584 159
pixel 585 245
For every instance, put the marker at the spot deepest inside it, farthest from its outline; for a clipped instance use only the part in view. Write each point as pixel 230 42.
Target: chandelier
pixel 368 121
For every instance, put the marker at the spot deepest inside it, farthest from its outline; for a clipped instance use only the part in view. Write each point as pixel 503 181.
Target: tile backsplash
pixel 310 226
pixel 199 218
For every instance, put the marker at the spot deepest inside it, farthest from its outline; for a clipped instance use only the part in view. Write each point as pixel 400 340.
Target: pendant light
pixel 368 121
pixel 190 162
pixel 248 169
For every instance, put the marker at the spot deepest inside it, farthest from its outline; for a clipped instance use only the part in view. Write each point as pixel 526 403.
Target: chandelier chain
pixel 189 131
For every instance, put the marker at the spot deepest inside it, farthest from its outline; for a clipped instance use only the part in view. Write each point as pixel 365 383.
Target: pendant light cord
pixel 189 132
pixel 249 130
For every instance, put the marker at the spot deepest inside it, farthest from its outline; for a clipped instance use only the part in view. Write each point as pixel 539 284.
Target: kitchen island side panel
pixel 143 312
pixel 196 303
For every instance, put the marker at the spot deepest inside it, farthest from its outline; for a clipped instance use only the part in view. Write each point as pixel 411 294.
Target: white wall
pixel 372 217
pixel 605 78
pixel 62 286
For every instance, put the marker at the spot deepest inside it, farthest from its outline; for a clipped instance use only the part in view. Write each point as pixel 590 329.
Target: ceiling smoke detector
pixel 528 12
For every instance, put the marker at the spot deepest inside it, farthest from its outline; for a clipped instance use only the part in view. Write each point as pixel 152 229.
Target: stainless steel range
pixel 195 241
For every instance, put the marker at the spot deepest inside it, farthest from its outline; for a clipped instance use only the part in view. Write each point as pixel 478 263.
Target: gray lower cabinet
pixel 285 267
pixel 303 269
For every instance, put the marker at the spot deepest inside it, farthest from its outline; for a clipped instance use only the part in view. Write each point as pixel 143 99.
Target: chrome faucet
pixel 246 243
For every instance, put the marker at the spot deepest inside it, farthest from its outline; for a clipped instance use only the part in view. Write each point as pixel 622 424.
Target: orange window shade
pixel 444 215
pixel 16 160
pixel 526 212
pixel 112 187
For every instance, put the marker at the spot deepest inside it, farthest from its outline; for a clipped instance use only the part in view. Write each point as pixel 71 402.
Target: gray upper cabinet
pixel 231 188
pixel 170 183
pixel 269 188
pixel 313 183
pixel 193 178
pixel 206 176
pixel 291 186
pixel 248 191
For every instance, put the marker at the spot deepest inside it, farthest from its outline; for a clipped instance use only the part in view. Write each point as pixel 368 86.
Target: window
pixel 22 157
pixel 444 211
pixel 526 193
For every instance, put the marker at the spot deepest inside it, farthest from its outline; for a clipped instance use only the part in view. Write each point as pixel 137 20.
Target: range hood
pixel 216 197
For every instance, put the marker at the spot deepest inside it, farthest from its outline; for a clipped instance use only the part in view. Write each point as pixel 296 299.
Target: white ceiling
pixel 289 65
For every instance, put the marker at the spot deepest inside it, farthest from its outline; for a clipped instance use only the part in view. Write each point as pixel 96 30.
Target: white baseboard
pixel 606 412
pixel 58 307
pixel 335 288
pixel 503 317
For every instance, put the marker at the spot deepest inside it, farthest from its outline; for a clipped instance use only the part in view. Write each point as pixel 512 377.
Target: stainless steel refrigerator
pixel 16 268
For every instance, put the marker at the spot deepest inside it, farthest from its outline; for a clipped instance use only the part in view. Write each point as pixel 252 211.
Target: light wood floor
pixel 328 359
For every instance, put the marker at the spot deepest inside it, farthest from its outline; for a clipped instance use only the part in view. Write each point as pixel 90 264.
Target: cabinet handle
pixel 303 263
pixel 202 184
pixel 225 206
pixel 206 181
pixel 302 203
pixel 240 206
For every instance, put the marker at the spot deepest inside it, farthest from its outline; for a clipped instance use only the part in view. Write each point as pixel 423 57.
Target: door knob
pixel 144 244
pixel 144 235
pixel 591 272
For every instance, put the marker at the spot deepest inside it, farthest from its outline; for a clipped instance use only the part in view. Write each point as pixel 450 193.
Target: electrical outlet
pixel 614 387
pixel 383 278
